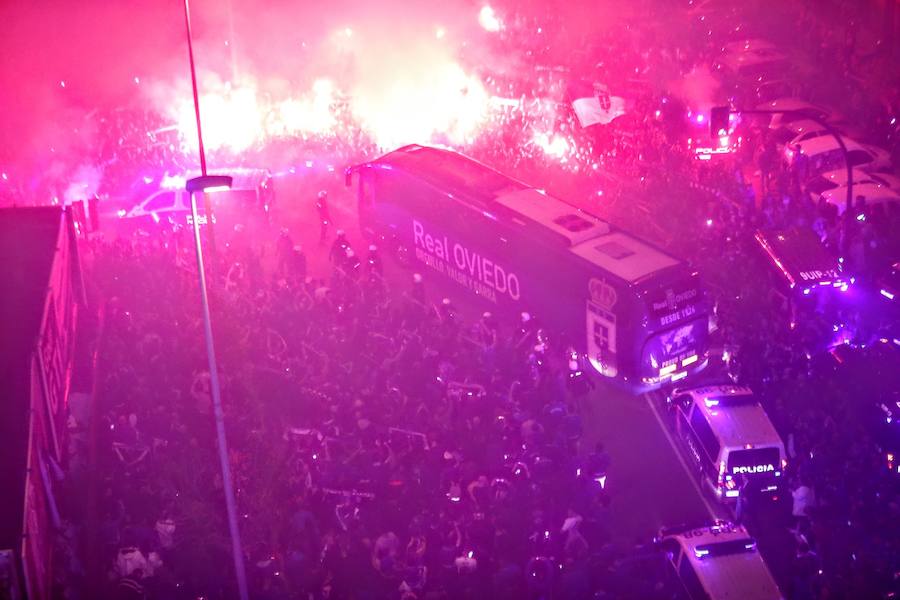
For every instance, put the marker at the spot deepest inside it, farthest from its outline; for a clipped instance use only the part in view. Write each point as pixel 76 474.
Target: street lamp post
pixel 205 184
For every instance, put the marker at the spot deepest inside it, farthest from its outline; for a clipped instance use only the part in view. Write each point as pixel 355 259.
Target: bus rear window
pixel 754 461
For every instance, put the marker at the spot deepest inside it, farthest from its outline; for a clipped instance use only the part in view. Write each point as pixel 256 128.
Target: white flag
pixel 601 107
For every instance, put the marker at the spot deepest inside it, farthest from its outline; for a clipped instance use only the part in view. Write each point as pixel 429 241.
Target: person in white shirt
pixel 804 499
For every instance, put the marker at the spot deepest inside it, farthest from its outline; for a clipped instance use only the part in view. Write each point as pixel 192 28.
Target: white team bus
pixel 636 313
pixel 718 562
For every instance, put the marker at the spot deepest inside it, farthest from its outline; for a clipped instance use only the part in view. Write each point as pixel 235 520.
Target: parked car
pixel 823 154
pixel 819 184
pixel 798 110
pixel 838 177
pixel 767 90
pixel 743 67
pixel 873 194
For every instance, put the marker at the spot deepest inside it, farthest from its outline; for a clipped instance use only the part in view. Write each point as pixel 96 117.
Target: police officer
pixel 417 293
pixel 487 331
pixel 524 332
pixel 284 248
pixel 298 264
pixel 339 248
pixel 351 263
pixel 446 312
pixel 324 214
pixel 373 263
pixel 577 380
pixel 487 335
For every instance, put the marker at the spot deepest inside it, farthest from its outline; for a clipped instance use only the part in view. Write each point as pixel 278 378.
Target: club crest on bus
pixel 602 294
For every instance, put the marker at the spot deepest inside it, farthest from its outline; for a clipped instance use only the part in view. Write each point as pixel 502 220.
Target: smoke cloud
pixel 405 70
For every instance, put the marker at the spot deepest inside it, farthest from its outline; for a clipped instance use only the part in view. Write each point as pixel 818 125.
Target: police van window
pixel 705 434
pixel 572 223
pixel 690 580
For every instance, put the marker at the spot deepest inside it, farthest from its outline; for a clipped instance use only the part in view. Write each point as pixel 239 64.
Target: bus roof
pixel 624 256
pixel 568 221
pixel 584 234
pixel 450 171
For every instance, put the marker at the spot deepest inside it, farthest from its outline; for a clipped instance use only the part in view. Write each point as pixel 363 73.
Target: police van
pixel 250 195
pixel 718 561
pixel 726 433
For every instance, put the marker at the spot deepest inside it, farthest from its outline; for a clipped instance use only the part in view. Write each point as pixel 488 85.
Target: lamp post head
pixel 208 183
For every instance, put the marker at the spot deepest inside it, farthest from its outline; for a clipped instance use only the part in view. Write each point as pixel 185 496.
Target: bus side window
pixel 690 580
pixel 705 434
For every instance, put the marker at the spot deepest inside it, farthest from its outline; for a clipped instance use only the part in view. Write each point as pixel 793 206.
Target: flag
pixel 594 104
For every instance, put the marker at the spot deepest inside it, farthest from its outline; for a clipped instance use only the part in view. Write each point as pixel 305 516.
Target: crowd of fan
pixel 381 447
